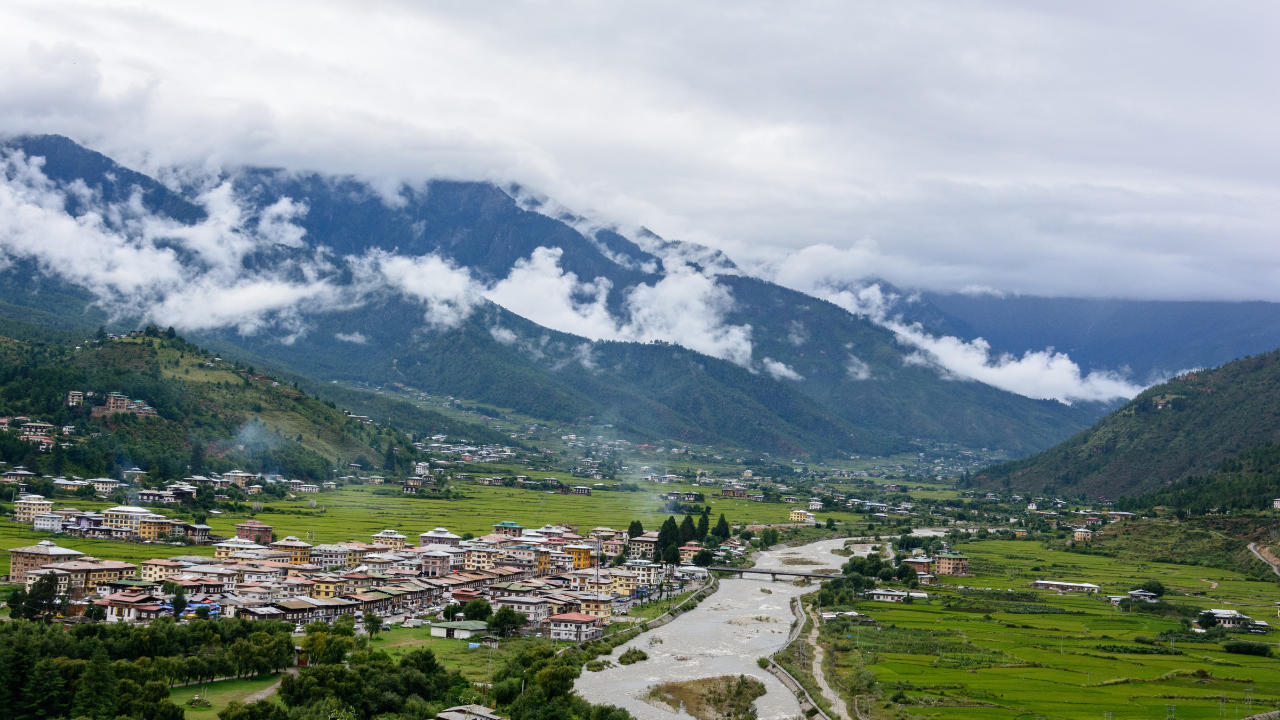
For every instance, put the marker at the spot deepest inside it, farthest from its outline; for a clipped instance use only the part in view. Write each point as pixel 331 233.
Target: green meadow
pixel 220 694
pixel 988 660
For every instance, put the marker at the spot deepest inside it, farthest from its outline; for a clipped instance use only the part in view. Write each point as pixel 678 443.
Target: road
pixel 837 703
pixel 1253 548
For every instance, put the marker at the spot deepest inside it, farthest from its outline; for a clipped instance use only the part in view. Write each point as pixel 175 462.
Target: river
pixel 722 636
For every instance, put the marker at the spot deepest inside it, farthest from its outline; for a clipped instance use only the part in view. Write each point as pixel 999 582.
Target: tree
pixel 671 555
pixel 704 526
pixel 688 531
pixel 372 624
pixel 1153 586
pixel 506 621
pixel 261 710
pixel 635 530
pixel 831 523
pixel 179 601
pixel 42 600
pixel 703 558
pixel 197 459
pixel 101 335
pixel 42 696
pixel 477 610
pixel 668 534
pixel 722 529
pixel 96 696
pixel 97 613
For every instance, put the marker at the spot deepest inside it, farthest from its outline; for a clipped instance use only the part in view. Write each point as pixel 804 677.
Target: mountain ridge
pixel 1176 430
pixel 855 378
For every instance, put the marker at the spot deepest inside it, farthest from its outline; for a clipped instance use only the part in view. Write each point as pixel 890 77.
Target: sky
pixel 1086 149
pixel 1091 149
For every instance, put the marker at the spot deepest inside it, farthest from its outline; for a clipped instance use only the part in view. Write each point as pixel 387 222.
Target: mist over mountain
pixel 480 291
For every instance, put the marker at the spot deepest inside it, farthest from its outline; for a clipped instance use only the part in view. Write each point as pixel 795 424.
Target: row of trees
pixel 103 671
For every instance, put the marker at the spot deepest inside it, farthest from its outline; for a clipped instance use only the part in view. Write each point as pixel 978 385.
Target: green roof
pixel 954 556
pixel 463 625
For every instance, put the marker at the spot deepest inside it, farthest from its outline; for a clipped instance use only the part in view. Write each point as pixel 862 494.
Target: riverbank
pixel 745 619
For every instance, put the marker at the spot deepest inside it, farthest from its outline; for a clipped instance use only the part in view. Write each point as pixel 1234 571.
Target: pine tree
pixel 668 534
pixel 687 529
pixel 722 530
pixel 96 697
pixel 704 525
pixel 42 696
pixel 636 529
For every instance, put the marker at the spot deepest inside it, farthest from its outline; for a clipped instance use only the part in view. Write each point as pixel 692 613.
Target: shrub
pixel 634 655
pixel 1245 647
pixel 763 663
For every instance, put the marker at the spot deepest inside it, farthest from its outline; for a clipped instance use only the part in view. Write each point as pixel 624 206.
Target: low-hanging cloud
pixel 685 307
pixel 130 258
pixel 1037 374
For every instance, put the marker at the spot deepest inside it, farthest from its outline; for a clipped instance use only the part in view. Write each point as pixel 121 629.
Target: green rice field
pixel 996 662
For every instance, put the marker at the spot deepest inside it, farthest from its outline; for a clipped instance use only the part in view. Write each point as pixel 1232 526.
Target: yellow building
pixel 28 507
pixel 480 558
pixel 125 516
pixel 225 548
pixel 597 605
pixel 390 538
pixel 151 526
pixel 799 515
pixel 299 551
pixel 327 586
pixel 624 583
pixel 582 556
pixel 159 568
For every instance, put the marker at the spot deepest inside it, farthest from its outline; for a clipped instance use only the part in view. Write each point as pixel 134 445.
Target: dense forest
pixel 1178 430
pixel 1248 481
pixel 105 671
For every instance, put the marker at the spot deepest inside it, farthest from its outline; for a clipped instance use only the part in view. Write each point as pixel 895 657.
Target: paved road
pixel 1253 548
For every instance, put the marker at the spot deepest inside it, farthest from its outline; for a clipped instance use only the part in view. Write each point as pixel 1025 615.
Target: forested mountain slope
pixel 1185 427
pixel 816 379
pixel 209 415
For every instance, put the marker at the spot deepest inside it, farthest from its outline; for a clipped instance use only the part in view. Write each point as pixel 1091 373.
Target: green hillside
pixel 211 414
pixel 1184 428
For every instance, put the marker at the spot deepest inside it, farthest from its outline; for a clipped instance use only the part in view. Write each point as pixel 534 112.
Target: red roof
pixel 574 617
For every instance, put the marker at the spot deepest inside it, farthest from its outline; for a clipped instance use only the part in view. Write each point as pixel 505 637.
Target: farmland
pixel 1063 656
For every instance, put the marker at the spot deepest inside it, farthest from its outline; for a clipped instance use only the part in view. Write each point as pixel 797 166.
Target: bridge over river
pixel 774 573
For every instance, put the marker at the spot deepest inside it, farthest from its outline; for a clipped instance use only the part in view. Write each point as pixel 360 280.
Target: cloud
pixel 1037 374
pixel 858 369
pixel 447 291
pixel 133 262
pixel 1078 149
pixel 1043 374
pixel 355 337
pixel 780 371
pixel 684 307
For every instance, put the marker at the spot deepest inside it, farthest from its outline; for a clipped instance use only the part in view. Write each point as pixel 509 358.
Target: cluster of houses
pixel 563 582
pixel 134 523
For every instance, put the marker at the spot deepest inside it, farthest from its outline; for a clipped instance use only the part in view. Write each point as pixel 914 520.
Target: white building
pixel 575 627
pixel 536 609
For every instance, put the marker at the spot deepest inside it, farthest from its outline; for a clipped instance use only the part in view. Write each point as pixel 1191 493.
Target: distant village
pixel 568 585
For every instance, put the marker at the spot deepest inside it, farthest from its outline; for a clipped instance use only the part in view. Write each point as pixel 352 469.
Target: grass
pixel 219 694
pixel 474 664
pixel 1025 665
